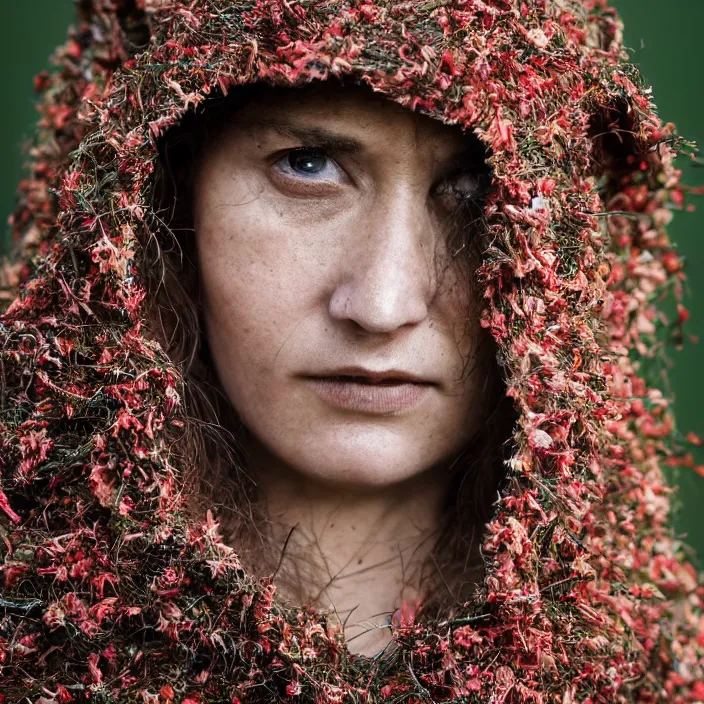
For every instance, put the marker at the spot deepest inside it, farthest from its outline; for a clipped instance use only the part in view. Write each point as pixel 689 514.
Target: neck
pixel 360 553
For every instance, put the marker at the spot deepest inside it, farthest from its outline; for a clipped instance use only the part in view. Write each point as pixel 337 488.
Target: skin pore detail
pixel 344 334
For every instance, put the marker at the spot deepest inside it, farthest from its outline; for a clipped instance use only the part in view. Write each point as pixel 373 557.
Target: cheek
pixel 259 286
pixel 250 300
pixel 250 241
pixel 459 310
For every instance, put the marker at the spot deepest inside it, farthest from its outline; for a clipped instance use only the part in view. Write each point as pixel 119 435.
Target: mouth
pixel 372 381
pixel 371 393
pixel 360 375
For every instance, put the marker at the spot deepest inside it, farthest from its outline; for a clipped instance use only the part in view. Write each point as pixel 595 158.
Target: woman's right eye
pixel 310 164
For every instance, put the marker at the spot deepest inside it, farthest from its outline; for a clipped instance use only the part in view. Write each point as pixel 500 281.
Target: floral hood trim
pixel 111 595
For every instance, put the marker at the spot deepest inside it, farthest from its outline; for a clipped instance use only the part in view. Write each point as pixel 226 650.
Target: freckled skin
pixel 303 273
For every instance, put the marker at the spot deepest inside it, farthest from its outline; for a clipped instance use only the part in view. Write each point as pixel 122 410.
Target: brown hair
pixel 211 447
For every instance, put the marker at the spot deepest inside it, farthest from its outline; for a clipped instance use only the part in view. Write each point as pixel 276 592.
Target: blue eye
pixel 310 164
pixel 307 162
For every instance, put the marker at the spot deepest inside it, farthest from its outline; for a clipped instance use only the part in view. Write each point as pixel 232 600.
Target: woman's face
pixel 341 329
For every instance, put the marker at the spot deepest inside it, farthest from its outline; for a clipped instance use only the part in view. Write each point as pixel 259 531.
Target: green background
pixel 666 38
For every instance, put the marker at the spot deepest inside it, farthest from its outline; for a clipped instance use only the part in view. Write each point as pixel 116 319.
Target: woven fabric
pixel 111 594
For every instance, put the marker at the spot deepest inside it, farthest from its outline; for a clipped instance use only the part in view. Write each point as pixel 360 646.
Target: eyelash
pixel 446 187
pixel 284 161
pixel 471 195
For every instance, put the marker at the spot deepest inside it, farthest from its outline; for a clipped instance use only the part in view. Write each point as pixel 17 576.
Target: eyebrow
pixel 314 136
pixel 470 158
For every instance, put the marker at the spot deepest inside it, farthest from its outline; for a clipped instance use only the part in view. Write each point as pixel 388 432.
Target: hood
pixel 111 593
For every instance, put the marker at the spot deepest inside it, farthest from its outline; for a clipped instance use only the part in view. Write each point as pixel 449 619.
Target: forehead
pixel 352 110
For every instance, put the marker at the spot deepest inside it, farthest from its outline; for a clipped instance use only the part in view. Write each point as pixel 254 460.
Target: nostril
pixel 381 304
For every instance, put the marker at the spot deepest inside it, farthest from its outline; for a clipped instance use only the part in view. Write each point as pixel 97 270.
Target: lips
pixel 370 394
pixel 361 375
pixel 383 381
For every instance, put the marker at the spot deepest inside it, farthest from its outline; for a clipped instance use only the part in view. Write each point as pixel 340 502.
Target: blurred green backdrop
pixel 666 39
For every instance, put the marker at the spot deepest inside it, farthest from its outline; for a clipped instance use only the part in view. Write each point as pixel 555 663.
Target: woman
pixel 319 393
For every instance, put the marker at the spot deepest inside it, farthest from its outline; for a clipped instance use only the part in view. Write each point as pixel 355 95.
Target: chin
pixel 361 462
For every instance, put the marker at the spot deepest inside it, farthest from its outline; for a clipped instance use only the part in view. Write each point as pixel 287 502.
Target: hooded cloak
pixel 112 594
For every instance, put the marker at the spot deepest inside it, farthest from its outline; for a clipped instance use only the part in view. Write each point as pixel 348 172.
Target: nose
pixel 387 280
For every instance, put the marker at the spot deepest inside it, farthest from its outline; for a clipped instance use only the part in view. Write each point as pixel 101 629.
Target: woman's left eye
pixel 310 164
pixel 463 187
